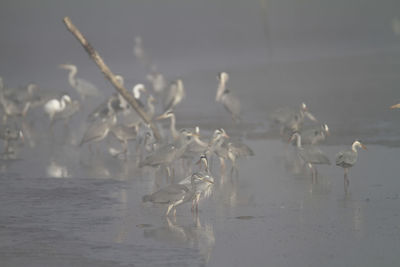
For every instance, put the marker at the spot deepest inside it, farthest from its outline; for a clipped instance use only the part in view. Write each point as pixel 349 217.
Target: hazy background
pixel 341 57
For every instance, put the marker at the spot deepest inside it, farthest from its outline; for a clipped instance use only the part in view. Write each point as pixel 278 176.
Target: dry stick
pixel 109 75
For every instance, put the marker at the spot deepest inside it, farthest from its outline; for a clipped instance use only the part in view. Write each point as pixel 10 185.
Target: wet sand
pixel 62 206
pixel 269 214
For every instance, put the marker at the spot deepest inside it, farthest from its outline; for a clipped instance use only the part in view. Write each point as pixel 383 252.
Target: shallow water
pixel 62 206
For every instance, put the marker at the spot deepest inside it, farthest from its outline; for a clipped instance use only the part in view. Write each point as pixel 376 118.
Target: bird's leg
pixel 27 132
pixel 6 146
pixel 314 169
pixel 169 179
pixel 51 129
pixel 223 166
pixel 310 166
pixel 125 149
pixel 174 213
pixel 168 210
pixel 346 179
pixel 193 204
pixel 197 203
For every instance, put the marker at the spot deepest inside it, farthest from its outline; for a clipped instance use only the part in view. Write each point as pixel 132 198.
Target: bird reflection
pixel 195 235
pixel 56 170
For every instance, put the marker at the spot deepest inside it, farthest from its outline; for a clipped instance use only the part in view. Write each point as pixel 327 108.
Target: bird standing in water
pixel 347 159
pixel 83 87
pixel 54 106
pixel 310 155
pixel 175 194
pixel 204 185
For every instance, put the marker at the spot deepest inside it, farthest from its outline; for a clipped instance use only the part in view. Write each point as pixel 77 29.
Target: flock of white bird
pixel 114 117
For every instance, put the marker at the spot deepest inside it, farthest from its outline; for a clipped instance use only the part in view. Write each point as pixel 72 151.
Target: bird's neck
pixel 354 147
pixel 200 142
pixel 62 104
pixel 150 108
pixel 136 92
pixel 71 76
pixel 298 141
pixel 174 132
pixel 220 90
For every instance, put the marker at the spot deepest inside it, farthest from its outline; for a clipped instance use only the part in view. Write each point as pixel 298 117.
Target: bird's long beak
pixel 395 106
pixel 162 116
pixel 63 66
pixel 21 135
pixel 208 181
pixel 364 147
pixel 225 135
pixel 195 134
pixel 310 116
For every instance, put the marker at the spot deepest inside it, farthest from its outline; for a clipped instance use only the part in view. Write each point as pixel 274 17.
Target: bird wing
pixel 159 156
pixel 241 149
pixel 282 115
pixel 169 194
pixel 170 97
pixel 100 111
pixel 231 103
pixel 96 130
pixel 346 157
pixel 314 155
pixel 86 87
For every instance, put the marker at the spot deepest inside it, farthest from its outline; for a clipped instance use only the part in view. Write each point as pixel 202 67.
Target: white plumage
pixel 54 106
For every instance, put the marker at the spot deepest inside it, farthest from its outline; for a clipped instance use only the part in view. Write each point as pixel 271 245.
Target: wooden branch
pixel 109 75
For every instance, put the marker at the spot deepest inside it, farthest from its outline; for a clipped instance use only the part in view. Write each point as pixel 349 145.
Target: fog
pixel 65 205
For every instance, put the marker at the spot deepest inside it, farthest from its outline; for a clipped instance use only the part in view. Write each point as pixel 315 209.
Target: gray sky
pixel 188 35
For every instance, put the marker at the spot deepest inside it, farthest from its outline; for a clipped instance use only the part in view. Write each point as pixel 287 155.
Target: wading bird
pixel 347 159
pixel 291 120
pixel 310 155
pixel 225 96
pixel 175 95
pixel 204 185
pixel 54 106
pixel 99 129
pixel 9 134
pixel 314 135
pixel 174 195
pixel 83 87
pixel 166 154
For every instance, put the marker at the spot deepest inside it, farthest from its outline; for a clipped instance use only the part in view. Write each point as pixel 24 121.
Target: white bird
pixel 54 106
pixel 83 87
